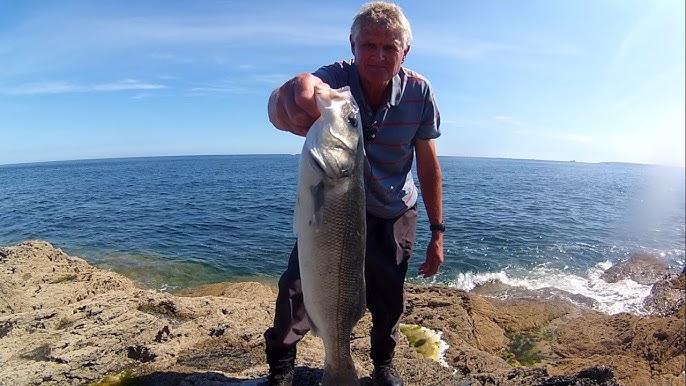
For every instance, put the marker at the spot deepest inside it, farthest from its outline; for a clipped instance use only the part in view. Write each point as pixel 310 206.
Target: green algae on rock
pixel 122 378
pixel 427 342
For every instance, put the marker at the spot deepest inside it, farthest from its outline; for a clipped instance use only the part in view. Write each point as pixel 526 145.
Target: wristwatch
pixel 437 227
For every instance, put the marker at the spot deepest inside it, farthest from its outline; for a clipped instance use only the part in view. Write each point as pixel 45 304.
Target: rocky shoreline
pixel 65 322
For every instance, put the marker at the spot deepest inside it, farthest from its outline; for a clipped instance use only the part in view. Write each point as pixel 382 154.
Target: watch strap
pixel 437 227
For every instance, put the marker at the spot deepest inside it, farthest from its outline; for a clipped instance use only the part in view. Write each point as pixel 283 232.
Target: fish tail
pixel 344 375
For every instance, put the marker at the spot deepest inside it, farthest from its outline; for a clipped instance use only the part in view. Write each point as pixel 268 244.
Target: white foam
pixel 611 298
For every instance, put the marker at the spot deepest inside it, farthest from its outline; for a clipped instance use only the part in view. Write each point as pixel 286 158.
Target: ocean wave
pixel 542 282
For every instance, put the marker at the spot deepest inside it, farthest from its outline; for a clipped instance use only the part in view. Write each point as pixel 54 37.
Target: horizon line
pixel 27 163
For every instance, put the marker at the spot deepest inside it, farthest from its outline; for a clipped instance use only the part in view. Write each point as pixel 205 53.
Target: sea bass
pixel 330 225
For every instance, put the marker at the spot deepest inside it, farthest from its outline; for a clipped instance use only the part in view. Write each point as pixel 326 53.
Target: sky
pixel 583 80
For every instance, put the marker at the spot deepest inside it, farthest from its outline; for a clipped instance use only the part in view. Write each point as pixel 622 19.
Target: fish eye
pixel 352 121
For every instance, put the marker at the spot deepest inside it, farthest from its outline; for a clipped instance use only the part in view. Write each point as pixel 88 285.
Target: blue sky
pixel 584 80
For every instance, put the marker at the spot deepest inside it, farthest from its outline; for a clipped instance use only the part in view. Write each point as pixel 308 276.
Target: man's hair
pixel 383 14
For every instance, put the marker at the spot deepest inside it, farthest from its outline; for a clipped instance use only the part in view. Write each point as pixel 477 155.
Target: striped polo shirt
pixel 410 114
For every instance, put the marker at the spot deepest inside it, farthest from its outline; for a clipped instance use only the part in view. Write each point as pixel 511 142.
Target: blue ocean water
pixel 175 222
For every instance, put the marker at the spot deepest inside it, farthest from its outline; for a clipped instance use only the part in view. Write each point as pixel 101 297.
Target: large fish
pixel 330 226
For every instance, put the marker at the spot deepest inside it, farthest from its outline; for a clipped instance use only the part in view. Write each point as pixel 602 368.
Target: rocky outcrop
pixel 667 296
pixel 641 267
pixel 65 322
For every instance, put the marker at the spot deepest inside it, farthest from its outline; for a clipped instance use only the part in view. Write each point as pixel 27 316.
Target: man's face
pixel 378 54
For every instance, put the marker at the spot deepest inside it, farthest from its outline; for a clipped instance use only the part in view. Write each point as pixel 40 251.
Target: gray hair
pixel 381 13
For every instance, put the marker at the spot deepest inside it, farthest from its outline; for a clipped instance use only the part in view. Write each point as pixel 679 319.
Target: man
pixel 400 120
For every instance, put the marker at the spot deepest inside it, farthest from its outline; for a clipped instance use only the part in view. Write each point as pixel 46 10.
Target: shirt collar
pixel 396 88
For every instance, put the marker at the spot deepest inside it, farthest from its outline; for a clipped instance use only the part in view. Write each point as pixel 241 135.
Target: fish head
pixel 336 140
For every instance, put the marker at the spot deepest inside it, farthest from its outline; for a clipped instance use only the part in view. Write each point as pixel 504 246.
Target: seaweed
pixel 528 348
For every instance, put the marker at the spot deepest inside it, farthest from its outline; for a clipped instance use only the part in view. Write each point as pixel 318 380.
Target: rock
pixel 65 322
pixel 498 290
pixel 68 321
pixel 633 346
pixel 667 296
pixel 642 268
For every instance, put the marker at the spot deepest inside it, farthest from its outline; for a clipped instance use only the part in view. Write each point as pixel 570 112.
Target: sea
pixel 171 223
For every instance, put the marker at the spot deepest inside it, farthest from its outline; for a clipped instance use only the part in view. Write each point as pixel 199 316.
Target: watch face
pixel 437 227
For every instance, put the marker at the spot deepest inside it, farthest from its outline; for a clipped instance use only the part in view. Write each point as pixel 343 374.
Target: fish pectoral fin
pixel 313 327
pixel 317 192
pixel 296 216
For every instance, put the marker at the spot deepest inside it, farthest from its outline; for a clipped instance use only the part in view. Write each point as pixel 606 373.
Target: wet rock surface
pixel 641 267
pixel 65 322
pixel 667 296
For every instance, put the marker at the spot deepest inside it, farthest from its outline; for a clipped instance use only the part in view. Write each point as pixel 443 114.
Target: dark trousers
pixel 389 247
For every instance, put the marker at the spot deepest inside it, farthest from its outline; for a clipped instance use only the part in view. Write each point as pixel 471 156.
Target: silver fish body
pixel 331 229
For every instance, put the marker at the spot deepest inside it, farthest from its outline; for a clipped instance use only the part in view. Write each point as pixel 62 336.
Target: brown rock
pixel 641 267
pixel 667 296
pixel 635 347
pixel 64 322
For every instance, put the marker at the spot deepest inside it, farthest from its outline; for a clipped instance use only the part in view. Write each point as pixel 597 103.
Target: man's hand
pixel 292 107
pixel 434 256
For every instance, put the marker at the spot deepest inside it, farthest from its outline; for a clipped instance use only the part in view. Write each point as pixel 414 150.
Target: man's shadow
pixel 304 376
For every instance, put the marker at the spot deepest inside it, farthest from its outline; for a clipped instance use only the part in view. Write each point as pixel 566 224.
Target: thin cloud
pixel 572 137
pixel 273 79
pixel 638 33
pixel 43 88
pixel 507 120
pixel 66 87
pixel 60 40
pixel 440 43
pixel 556 135
pixel 220 88
pixel 522 128
pixel 460 48
pixel 168 57
pixel 664 17
pixel 127 84
pixel 245 27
